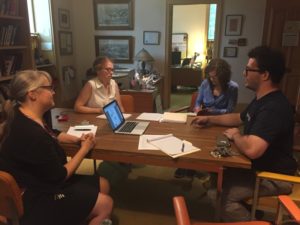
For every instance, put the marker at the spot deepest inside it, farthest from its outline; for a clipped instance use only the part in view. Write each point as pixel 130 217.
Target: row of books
pixel 10 64
pixel 9 7
pixel 8 35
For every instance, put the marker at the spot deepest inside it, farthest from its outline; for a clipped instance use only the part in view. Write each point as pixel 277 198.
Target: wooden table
pixel 124 148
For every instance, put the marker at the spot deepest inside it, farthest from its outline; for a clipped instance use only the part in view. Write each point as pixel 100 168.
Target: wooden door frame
pixel 168 46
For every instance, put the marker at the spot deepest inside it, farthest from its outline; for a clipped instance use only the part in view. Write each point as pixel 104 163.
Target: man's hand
pixel 229 133
pixel 200 121
pixel 88 141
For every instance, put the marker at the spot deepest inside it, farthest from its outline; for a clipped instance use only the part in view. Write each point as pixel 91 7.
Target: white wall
pixel 194 25
pixel 150 15
pixel 253 16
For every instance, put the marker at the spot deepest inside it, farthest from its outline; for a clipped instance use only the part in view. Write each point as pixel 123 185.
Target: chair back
pixel 11 205
pixel 128 103
pixel 193 101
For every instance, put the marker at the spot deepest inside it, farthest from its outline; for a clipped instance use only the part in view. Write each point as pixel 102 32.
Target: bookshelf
pixel 15 45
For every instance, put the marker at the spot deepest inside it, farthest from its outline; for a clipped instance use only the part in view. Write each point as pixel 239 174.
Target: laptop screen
pixel 114 115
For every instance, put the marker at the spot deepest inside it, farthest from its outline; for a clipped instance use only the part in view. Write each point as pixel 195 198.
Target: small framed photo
pixel 151 37
pixel 65 42
pixel 118 48
pixel 233 25
pixel 230 52
pixel 64 19
pixel 113 14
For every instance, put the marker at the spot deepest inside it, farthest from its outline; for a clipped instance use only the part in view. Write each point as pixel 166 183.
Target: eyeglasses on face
pixel 47 87
pixel 247 69
pixel 108 69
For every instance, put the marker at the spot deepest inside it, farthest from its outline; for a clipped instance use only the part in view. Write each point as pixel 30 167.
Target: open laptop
pixel 117 121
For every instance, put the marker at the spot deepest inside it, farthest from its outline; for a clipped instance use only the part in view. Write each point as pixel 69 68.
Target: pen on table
pixel 182 147
pixel 82 129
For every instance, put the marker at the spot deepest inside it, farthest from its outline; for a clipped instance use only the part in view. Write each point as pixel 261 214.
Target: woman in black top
pixel 31 152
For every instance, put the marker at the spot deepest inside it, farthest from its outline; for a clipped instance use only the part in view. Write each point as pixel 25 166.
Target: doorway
pixel 188 47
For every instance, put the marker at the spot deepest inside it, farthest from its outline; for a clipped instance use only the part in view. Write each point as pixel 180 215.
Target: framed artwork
pixel 113 14
pixel 233 25
pixel 230 52
pixel 151 37
pixel 65 42
pixel 64 19
pixel 118 48
pixel 68 73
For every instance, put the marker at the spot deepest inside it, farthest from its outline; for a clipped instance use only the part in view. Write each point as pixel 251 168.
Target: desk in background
pixel 185 77
pixel 144 100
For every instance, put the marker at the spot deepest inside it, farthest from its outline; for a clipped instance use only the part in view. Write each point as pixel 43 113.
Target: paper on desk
pixel 173 146
pixel 145 145
pixel 86 129
pixel 126 116
pixel 150 116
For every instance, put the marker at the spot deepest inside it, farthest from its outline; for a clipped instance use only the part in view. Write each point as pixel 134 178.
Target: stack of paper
pixel 150 116
pixel 79 130
pixel 169 144
pixel 174 117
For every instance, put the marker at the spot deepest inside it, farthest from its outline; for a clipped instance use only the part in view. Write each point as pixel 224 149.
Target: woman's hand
pixel 87 141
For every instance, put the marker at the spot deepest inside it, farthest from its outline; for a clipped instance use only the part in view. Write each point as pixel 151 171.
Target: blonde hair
pixel 23 82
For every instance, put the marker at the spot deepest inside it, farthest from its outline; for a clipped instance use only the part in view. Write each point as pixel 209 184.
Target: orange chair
pixel 182 215
pixel 11 204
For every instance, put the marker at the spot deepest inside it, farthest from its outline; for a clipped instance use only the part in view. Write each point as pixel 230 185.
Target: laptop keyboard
pixel 128 127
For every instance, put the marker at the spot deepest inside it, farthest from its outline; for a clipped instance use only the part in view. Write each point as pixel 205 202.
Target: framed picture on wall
pixel 230 52
pixel 118 48
pixel 64 19
pixel 151 38
pixel 65 42
pixel 113 14
pixel 233 25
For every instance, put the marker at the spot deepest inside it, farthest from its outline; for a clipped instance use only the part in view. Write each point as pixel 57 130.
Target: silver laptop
pixel 117 121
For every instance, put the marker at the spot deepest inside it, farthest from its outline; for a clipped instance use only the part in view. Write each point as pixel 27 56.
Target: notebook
pixel 117 121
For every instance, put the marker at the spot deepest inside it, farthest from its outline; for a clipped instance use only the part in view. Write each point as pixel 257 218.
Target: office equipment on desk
pixel 150 116
pixel 79 130
pixel 173 146
pixel 170 117
pixel 117 121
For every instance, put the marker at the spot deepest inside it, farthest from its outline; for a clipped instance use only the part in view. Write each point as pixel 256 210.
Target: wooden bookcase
pixel 15 45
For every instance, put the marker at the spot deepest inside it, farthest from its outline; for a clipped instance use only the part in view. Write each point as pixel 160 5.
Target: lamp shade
pixel 144 56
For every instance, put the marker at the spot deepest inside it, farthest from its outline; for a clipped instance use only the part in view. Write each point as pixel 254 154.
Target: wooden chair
pixel 182 215
pixel 11 205
pixel 128 104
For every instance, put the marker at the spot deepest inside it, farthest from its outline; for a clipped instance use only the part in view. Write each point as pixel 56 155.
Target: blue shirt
pixel 224 103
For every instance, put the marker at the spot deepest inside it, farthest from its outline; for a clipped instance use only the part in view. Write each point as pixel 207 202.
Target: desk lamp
pixel 144 57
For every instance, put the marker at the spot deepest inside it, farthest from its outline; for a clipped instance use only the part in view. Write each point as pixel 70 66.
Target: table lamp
pixel 144 57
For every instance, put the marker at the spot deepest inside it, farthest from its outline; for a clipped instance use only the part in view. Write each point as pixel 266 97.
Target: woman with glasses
pixel 100 90
pixel 32 153
pixel 217 93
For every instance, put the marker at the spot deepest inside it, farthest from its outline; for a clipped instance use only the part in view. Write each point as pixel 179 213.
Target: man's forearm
pixel 231 119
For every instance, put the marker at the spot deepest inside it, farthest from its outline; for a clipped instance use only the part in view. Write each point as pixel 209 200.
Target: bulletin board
pixel 180 42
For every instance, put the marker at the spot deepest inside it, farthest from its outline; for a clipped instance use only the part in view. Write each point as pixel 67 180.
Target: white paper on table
pixel 79 130
pixel 102 116
pixel 145 145
pixel 150 116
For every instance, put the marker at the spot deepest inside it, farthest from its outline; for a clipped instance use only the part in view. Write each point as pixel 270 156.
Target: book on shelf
pixel 10 64
pixel 9 7
pixel 8 35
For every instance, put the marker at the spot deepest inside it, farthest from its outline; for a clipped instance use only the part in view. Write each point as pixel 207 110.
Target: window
pixel 31 16
pixel 212 22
